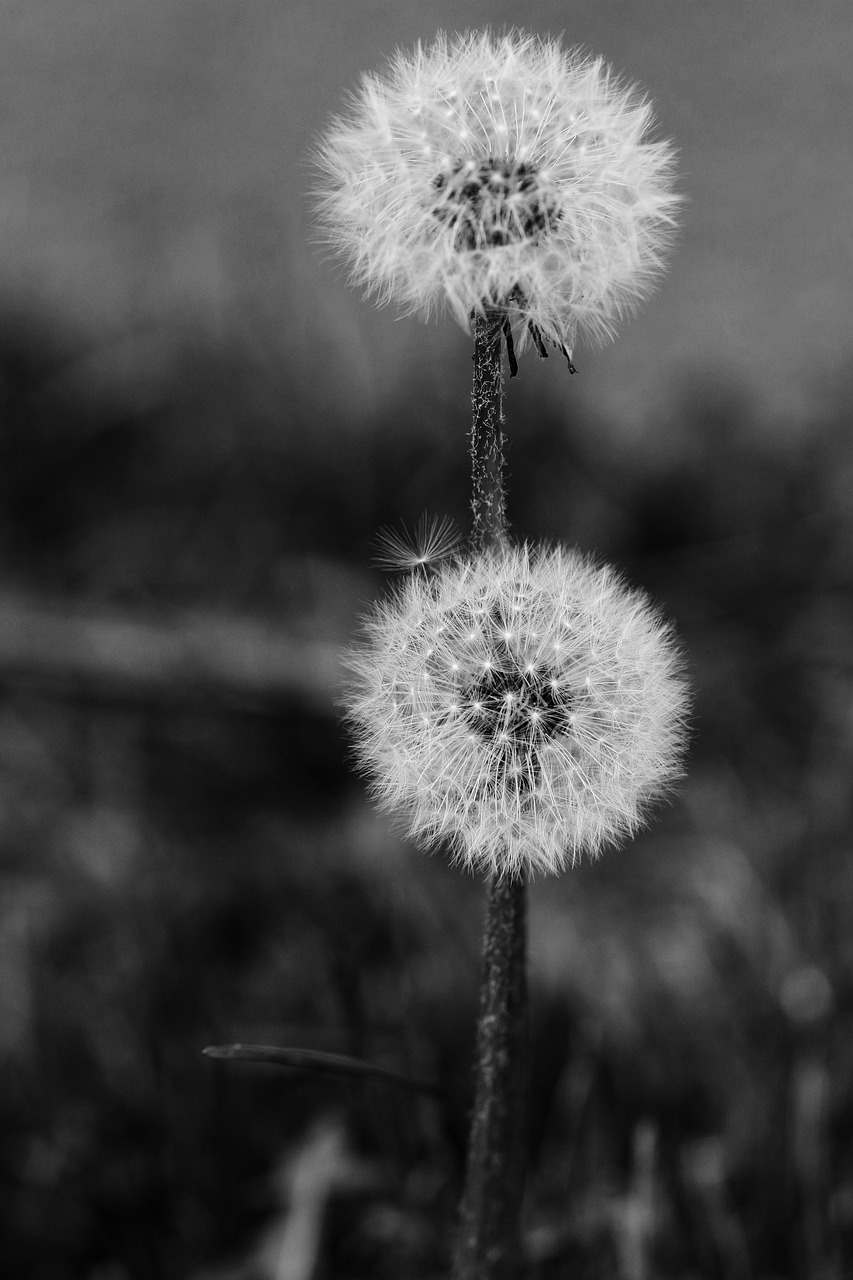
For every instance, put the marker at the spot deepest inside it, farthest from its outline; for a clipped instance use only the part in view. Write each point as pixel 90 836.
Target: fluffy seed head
pixel 523 705
pixel 500 171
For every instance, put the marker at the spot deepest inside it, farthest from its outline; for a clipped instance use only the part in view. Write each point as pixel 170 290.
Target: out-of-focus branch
pixel 315 1060
pixel 188 655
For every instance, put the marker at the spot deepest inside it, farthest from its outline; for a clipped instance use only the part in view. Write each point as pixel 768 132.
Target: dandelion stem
pixel 488 500
pixel 488 1243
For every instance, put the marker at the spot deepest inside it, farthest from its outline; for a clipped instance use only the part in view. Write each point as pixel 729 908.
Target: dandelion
pixel 524 705
pixel 489 172
pixel 520 704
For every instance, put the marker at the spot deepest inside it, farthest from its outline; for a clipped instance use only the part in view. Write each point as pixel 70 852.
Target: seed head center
pixel 493 202
pixel 520 708
pixel 515 711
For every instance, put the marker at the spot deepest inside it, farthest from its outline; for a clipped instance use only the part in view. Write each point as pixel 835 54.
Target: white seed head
pixel 524 706
pixel 500 171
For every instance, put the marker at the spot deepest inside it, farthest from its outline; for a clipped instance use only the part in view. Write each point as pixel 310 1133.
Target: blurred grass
pixel 186 858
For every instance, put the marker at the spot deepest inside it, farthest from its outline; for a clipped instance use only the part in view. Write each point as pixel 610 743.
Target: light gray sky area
pixel 153 170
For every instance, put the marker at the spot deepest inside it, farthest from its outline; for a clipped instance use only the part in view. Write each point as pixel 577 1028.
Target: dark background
pixel 201 431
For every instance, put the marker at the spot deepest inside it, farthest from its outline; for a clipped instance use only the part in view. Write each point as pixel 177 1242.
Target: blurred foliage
pixel 185 870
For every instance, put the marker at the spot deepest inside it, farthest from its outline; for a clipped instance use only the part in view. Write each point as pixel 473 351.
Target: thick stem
pixel 488 499
pixel 488 1244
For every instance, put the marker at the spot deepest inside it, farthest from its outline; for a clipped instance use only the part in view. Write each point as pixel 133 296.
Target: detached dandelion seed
pixel 434 538
pixel 489 172
pixel 523 705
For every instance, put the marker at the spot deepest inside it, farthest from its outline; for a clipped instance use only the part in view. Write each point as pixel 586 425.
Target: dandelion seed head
pixel 520 756
pixel 502 171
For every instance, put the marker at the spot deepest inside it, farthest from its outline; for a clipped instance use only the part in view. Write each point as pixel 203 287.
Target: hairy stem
pixel 488 1243
pixel 488 498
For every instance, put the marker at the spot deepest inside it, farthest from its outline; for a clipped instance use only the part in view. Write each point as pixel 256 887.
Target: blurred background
pixel 201 431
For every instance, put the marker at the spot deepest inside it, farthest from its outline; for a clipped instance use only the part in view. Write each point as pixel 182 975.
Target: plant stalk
pixel 488 494
pixel 488 1245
